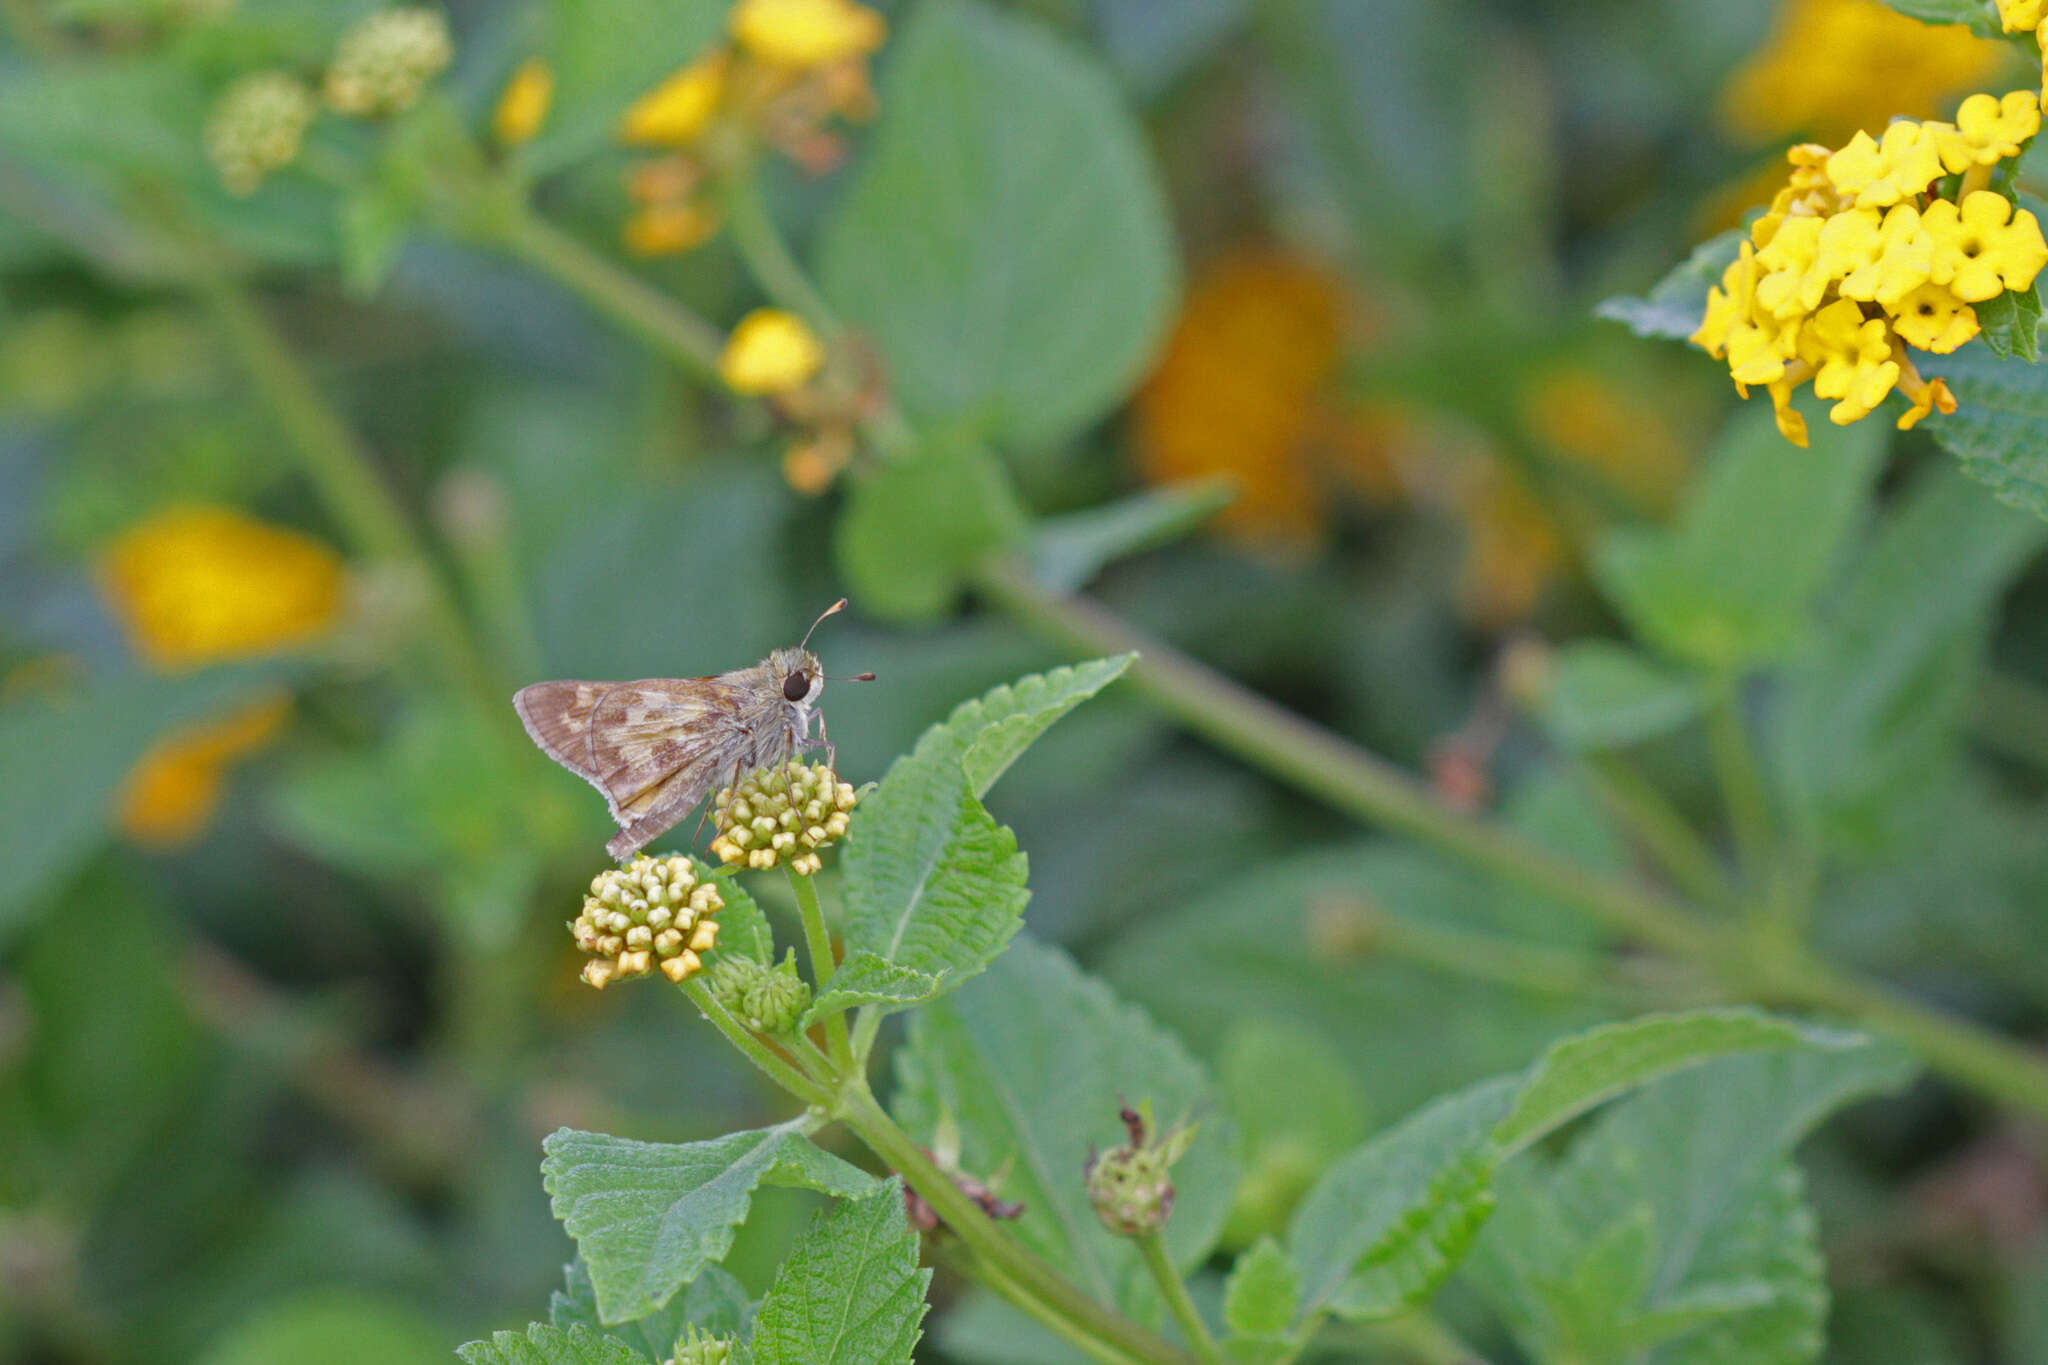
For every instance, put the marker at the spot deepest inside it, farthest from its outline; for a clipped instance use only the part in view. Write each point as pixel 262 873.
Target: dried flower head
pixel 1131 1185
pixel 383 64
pixel 790 812
pixel 654 912
pixel 258 126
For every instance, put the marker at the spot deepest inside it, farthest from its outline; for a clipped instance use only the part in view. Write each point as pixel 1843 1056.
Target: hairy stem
pixel 988 1241
pixel 1175 1291
pixel 973 1267
pixel 818 943
pixel 771 1063
pixel 1333 769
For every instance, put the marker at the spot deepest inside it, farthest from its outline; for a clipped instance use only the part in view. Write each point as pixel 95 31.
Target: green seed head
pixel 383 64
pixel 257 127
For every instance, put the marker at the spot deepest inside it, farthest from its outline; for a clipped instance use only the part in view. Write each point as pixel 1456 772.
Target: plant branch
pixel 624 298
pixel 1333 769
pixel 966 1263
pixel 771 1063
pixel 818 943
pixel 1648 817
pixel 768 257
pixel 1175 1291
pixel 988 1241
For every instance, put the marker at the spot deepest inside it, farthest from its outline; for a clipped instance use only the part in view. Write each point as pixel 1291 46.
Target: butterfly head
pixel 799 675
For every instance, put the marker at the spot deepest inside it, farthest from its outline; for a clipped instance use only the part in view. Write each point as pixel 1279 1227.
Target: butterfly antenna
pixel 838 606
pixel 857 677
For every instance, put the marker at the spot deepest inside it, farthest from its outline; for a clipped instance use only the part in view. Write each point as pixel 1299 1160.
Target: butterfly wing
pixel 654 747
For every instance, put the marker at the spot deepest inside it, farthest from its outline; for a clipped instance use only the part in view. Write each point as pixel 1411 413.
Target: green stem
pixel 772 1064
pixel 973 1267
pixel 1175 1291
pixel 340 470
pixel 1351 780
pixel 989 1242
pixel 1335 771
pixel 637 306
pixel 818 943
pixel 768 257
pixel 1742 788
pixel 1489 957
pixel 2010 1071
pixel 1664 834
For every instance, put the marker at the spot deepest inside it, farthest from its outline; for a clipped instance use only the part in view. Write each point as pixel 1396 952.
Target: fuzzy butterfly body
pixel 658 746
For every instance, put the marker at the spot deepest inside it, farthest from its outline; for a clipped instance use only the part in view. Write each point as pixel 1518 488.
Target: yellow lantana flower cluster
pixel 654 912
pixel 2029 16
pixel 1862 254
pixel 789 69
pixel 791 812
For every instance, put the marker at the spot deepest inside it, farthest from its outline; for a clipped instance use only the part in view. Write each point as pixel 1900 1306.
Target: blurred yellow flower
pixel 770 352
pixel 676 111
pixel 1831 67
pixel 172 792
pixel 1618 432
pixel 195 585
pixel 666 229
pixel 524 105
pixel 806 34
pixel 1236 391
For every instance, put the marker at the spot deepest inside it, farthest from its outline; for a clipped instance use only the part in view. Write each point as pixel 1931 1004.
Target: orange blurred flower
pixel 1238 388
pixel 197 585
pixel 173 790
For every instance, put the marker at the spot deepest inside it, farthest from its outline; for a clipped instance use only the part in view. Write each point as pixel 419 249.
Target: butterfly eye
pixel 796 686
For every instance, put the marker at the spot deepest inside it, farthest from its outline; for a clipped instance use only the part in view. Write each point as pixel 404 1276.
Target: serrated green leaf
pixel 714 1301
pixel 742 927
pixel 850 1292
pixel 933 883
pixel 1602 695
pixel 1017 1062
pixel 541 1344
pixel 1587 1070
pixel 1067 551
pixel 1996 428
pixel 867 979
pixel 1726 1266
pixel 1262 1293
pixel 1730 586
pixel 1386 1224
pixel 916 526
pixel 1676 304
pixel 1006 242
pixel 648 1217
pixel 1880 702
pixel 2011 324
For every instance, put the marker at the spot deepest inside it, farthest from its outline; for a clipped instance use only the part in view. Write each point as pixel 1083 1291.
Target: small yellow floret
pixel 1877 174
pixel 1933 319
pixel 2021 16
pixel 197 585
pixel 676 111
pixel 524 105
pixel 771 351
pixel 1983 248
pixel 804 35
pixel 1852 359
pixel 1988 130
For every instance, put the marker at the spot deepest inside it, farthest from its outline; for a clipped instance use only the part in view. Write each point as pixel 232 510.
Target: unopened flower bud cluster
pixel 381 66
pixel 698 1347
pixel 788 812
pixel 766 999
pixel 655 912
pixel 1131 1186
pixel 385 62
pixel 258 127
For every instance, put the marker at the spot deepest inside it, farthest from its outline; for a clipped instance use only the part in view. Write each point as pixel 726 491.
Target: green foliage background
pixel 282 1095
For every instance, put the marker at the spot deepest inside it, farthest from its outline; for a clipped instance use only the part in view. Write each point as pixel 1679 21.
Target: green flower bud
pixel 1131 1186
pixel 698 1347
pixel 257 126
pixel 728 979
pixel 653 912
pixel 776 998
pixel 790 812
pixel 384 62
